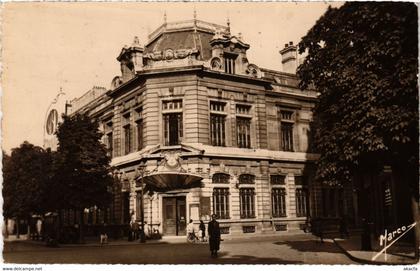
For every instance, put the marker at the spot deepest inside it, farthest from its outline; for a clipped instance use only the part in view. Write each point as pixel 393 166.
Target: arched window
pixel 220 178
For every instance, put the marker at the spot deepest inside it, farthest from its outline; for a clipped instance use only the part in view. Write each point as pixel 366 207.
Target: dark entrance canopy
pixel 165 181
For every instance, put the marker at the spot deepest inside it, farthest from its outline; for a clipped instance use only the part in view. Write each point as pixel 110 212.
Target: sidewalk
pixel 94 242
pixel 398 254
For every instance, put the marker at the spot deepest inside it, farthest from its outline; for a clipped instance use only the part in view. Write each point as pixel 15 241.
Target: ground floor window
pixel 278 200
pixel 301 201
pixel 247 202
pixel 221 202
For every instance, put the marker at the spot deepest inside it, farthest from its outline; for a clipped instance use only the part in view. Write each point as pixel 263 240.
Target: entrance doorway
pixel 174 215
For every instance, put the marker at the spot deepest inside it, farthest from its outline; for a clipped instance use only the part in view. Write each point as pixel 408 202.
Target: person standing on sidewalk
pixel 202 228
pixel 214 236
pixel 103 235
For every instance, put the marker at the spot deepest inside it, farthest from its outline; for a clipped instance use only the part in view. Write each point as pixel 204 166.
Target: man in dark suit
pixel 214 235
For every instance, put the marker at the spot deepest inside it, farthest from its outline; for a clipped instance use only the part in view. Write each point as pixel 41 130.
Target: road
pixel 302 249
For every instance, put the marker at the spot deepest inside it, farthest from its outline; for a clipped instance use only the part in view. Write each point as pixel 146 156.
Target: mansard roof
pixel 185 35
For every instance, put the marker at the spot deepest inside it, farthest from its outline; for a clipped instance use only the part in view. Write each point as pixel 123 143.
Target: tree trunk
pixel 81 222
pixel 28 232
pixel 416 218
pixel 17 228
pixel 58 233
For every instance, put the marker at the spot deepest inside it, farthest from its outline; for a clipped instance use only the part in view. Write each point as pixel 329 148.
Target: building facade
pixel 201 130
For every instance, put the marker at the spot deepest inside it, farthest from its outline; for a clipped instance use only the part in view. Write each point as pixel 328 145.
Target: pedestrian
pixel 103 235
pixel 344 232
pixel 214 235
pixel 39 229
pixel 191 232
pixel 202 228
pixel 135 230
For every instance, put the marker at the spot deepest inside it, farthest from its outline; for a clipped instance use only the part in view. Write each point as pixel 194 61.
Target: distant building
pixel 215 133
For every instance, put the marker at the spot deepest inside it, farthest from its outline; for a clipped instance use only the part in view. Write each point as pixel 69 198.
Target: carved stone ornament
pixel 172 160
pixel 170 54
pixel 216 63
pixel 253 70
pixel 116 82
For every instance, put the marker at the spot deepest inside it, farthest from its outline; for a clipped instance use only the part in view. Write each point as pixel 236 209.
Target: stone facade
pixel 190 102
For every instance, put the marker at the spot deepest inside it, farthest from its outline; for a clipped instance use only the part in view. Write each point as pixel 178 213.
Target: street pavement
pixel 288 249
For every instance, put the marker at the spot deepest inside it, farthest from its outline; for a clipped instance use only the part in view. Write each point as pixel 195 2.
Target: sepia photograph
pixel 217 133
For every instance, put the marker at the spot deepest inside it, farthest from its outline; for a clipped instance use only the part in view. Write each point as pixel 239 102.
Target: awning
pixel 165 181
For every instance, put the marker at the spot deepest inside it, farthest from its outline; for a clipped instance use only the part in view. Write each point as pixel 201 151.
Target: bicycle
pixel 192 238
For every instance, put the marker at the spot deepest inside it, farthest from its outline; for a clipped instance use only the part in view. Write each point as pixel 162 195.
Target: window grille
pixel 220 178
pixel 246 179
pixel 243 130
pixel 301 202
pixel 247 202
pixel 217 130
pixel 278 179
pixel 221 202
pixel 278 201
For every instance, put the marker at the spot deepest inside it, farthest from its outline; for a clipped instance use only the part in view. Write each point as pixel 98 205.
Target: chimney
pixel 289 57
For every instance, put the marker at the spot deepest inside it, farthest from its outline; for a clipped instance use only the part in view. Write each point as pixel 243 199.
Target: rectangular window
pixel 127 139
pixel 243 131
pixel 247 202
pixel 139 124
pixel 243 109
pixel 109 143
pixel 229 63
pixel 301 202
pixel 286 136
pixel 172 105
pixel 278 201
pixel 217 106
pixel 286 115
pixel 221 202
pixel 217 129
pixel 172 128
pixel 108 136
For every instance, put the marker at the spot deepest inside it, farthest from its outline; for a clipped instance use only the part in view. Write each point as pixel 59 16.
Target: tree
pixel 83 170
pixel 363 60
pixel 27 178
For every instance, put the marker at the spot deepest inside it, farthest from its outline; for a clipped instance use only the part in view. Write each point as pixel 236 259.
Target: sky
pixel 74 46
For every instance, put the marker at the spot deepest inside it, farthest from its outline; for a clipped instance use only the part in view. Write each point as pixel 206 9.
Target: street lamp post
pixel 142 168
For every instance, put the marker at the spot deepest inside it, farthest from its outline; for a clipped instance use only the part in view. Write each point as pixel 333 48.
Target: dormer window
pixel 230 63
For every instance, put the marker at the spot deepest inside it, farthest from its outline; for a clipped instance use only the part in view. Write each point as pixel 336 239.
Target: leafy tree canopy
pixel 82 164
pixel 26 180
pixel 362 58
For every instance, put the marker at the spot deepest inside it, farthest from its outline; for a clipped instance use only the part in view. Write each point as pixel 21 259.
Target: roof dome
pixel 192 35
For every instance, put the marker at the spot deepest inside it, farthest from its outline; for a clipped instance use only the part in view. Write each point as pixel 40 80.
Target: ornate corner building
pixel 201 130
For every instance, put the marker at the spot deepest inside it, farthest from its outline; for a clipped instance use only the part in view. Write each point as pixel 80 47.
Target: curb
pixel 365 261
pixel 154 242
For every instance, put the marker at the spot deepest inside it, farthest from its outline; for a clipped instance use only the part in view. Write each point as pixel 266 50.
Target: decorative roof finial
pixel 195 14
pixel 228 24
pixel 164 17
pixel 136 41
